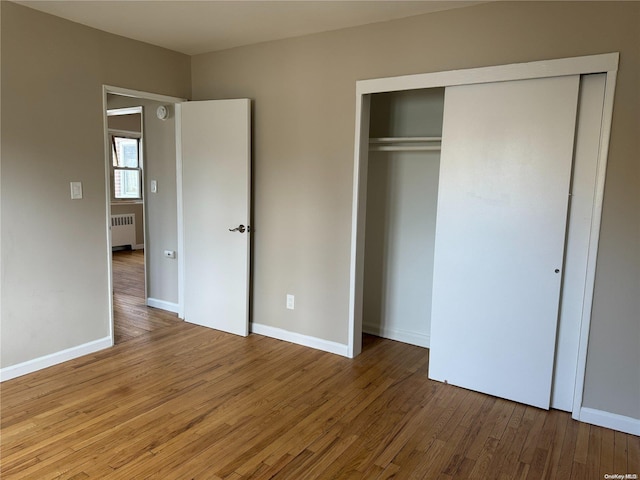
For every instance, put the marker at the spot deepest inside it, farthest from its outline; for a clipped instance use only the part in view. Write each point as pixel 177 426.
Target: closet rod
pixel 400 148
pixel 404 139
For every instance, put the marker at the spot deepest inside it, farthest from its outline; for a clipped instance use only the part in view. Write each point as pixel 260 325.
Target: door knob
pixel 240 228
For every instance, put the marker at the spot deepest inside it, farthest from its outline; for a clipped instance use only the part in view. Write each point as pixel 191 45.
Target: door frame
pixel 603 63
pixel 126 92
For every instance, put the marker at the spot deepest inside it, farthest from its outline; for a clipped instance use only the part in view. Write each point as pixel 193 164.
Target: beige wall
pixel 54 249
pixel 129 123
pixel 304 92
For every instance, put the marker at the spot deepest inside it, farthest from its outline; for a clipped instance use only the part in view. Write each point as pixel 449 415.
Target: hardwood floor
pixel 131 316
pixel 179 401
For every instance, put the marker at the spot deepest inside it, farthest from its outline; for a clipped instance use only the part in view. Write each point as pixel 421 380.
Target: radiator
pixel 123 230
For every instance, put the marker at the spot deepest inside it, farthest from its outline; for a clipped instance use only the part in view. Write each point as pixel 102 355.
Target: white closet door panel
pixel 216 178
pixel 502 210
pixel 578 234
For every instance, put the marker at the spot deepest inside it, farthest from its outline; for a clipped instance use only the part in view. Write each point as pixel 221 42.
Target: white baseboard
pixel 36 364
pixel 404 336
pixel 298 338
pixel 163 305
pixel 610 420
pixel 138 246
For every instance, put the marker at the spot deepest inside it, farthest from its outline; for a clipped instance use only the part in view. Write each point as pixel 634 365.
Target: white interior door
pixel 216 177
pixel 505 171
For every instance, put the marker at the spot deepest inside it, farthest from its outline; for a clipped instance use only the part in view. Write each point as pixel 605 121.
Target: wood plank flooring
pixel 178 401
pixel 131 316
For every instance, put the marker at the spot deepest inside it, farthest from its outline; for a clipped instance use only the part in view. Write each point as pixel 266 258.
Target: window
pixel 126 168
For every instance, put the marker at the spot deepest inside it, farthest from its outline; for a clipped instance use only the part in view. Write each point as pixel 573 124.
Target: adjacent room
pixel 320 239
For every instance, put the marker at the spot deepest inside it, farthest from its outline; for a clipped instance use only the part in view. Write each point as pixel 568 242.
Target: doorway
pixel 126 179
pixel 181 169
pixel 142 198
pixel 598 64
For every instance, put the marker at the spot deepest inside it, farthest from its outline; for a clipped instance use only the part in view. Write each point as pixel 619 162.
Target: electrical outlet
pixel 76 190
pixel 170 254
pixel 291 300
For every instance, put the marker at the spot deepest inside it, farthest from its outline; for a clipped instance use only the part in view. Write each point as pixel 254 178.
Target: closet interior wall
pixel 402 193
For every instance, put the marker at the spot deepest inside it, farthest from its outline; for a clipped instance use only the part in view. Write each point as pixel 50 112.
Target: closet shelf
pixel 404 139
pixel 398 144
pixel 404 148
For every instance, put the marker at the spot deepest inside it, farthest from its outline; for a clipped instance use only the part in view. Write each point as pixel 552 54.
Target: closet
pixel 402 190
pixel 476 216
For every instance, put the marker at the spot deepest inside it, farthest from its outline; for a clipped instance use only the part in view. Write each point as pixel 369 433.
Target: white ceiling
pixel 194 27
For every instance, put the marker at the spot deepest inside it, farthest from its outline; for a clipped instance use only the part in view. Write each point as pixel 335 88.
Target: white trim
pixel 114 112
pixel 614 421
pixel 398 334
pixel 107 180
pixel 594 238
pixel 180 213
pixel 356 278
pixel 143 193
pixel 126 202
pixel 125 133
pixel 139 246
pixel 299 339
pixel 162 304
pixel 500 73
pixel 39 363
pixel 127 92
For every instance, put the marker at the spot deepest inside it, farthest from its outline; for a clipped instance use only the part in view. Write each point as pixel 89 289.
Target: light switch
pixel 76 190
pixel 154 186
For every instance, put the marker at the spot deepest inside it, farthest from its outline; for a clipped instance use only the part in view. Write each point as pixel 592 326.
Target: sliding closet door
pixel 505 171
